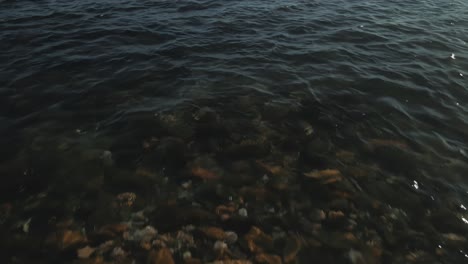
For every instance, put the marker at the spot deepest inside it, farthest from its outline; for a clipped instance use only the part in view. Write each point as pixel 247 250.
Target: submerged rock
pixel 257 241
pixel 220 247
pixel 66 239
pixel 243 212
pixel 327 176
pixel 162 256
pixel 291 248
pixel 204 174
pixel 268 259
pixel 126 199
pixel 214 233
pixel 85 252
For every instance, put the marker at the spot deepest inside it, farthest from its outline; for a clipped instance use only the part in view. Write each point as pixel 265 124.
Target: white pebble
pixel 243 212
pixel 453 56
pixel 187 184
pixel 26 225
pixel 118 252
pixel 187 255
pixel 219 246
pixel 107 157
pixel 230 237
pixel 356 257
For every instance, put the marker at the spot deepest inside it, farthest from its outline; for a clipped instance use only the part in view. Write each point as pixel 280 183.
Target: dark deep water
pixel 259 131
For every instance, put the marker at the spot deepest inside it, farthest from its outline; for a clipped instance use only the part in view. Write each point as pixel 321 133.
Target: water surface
pixel 93 94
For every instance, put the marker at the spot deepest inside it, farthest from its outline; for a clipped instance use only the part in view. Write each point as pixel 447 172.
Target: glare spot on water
pixel 415 185
pixel 461 74
pixel 453 56
pixel 361 26
pixel 439 246
pixel 458 104
pixel 464 220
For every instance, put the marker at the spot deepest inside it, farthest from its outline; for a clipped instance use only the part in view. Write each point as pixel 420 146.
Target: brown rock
pixel 257 241
pixel 146 245
pixel 86 252
pixel 268 259
pixel 214 233
pixel 225 212
pixel 292 247
pixel 126 199
pixel 66 238
pixel 335 214
pixel 327 176
pixel 162 256
pixel 346 156
pixel 105 247
pixel 454 237
pixel 204 173
pixel 113 230
pixel 270 168
pixel 349 236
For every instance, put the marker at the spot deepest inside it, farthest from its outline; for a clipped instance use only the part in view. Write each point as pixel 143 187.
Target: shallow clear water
pixel 95 95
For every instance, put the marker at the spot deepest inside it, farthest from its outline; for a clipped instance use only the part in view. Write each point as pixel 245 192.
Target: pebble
pixel 335 214
pixel 225 212
pixel 187 255
pixel 26 225
pixel 258 241
pixel 454 237
pixel 356 257
pixel 106 158
pixel 268 259
pixel 86 252
pixel 66 239
pixel 118 252
pixel 317 215
pixel 292 247
pixel 162 256
pixel 327 176
pixel 243 212
pixel 187 184
pixel 230 237
pixel 126 199
pixel 214 233
pixel 113 230
pixel 220 246
pixel 204 174
pixel 106 246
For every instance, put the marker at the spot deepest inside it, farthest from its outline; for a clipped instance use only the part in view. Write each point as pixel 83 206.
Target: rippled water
pixel 380 73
